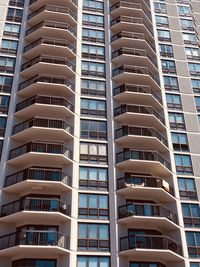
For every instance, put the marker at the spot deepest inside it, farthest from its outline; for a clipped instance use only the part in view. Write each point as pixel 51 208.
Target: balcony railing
pixel 44 123
pixel 132 35
pixel 35 204
pixel 135 88
pixel 150 132
pixel 50 60
pixel 50 41
pixel 135 70
pixel 46 100
pixel 138 109
pixel 73 1
pixel 57 9
pixel 51 24
pixel 133 20
pixel 38 174
pixel 46 148
pixel 145 209
pixel 34 238
pixel 142 155
pixel 144 181
pixel 46 79
pixel 152 242
pixel 134 52
pixel 130 5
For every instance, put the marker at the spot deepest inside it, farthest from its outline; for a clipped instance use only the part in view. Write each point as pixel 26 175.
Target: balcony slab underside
pixel 151 255
pixel 47 89
pixel 67 3
pixel 147 222
pixel 142 142
pixel 35 217
pixel 39 133
pixel 44 110
pixel 141 166
pixel 37 187
pixel 157 194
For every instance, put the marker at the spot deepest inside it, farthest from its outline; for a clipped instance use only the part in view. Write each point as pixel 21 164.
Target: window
pixel 92 35
pixel 166 50
pixel 11 30
pixel 14 14
pixel 93 107
pixel 160 8
pixel 93 52
pixel 193 242
pixel 176 121
pixel 192 53
pixel 93 129
pixel 93 237
pixel 197 102
pixel 94 6
pixel 190 38
pixel 164 35
pixel 4 103
pixel 5 84
pixel 7 64
pixel 191 215
pixel 194 69
pixel 173 101
pixel 1 147
pixel 93 153
pixel 34 263
pixel 93 261
pixel 187 24
pixel 93 206
pixel 171 83
pixel 162 21
pixel 9 46
pixel 187 188
pixel 93 20
pixel 168 66
pixel 93 69
pixel 195 264
pixel 183 164
pixel 180 142
pixel 184 11
pixel 18 3
pixel 196 86
pixel 93 87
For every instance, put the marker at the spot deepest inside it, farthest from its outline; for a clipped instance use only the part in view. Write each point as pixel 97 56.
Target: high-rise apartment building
pixel 100 133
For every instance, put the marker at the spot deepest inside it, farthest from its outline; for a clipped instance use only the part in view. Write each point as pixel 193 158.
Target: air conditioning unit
pixel 165 185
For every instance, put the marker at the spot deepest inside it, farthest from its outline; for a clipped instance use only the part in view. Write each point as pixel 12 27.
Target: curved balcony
pixel 35 210
pixel 49 180
pixel 49 65
pixel 132 24
pixel 35 4
pixel 153 188
pixel 52 30
pixel 34 243
pixel 137 94
pixel 154 247
pixel 146 214
pixel 133 56
pixel 141 138
pixel 136 74
pixel 36 128
pixel 37 154
pixel 44 106
pixel 133 40
pixel 50 46
pixel 131 9
pixel 47 85
pixel 139 115
pixel 139 161
pixel 54 13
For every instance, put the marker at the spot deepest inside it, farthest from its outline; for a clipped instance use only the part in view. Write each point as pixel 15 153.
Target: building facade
pixel 100 133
